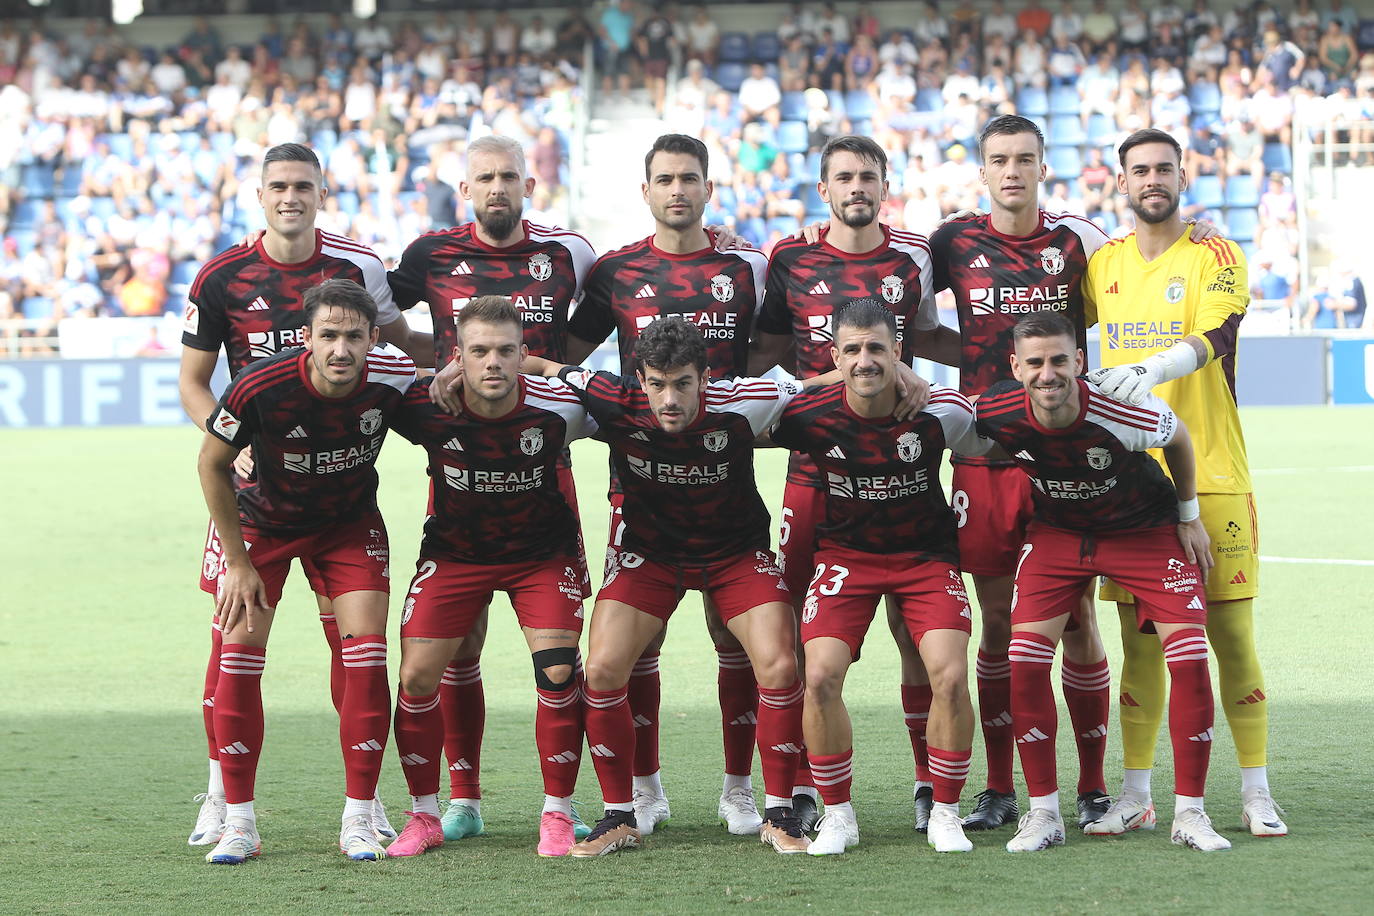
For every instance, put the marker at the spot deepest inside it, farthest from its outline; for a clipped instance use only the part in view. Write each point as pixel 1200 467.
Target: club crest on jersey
pixel 370 421
pixel 722 288
pixel 541 267
pixel 531 441
pixel 1099 458
pixel 1052 259
pixel 1173 293
pixel 715 440
pixel 909 446
pixel 893 289
pixel 408 610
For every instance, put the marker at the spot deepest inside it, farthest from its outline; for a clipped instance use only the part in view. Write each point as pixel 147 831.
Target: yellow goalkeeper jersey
pixel 1198 289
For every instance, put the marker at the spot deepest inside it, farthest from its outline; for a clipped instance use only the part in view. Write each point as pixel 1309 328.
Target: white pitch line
pixel 1317 561
pixel 1352 469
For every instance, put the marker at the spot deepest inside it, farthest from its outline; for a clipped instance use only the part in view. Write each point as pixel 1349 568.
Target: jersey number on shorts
pixel 427 569
pixel 959 503
pixel 836 579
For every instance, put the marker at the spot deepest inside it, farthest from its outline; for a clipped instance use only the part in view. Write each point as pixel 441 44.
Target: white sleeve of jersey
pixel 386 365
pixel 374 273
pixel 758 262
pixel 1151 425
pixel 1088 232
pixel 557 396
pixel 955 413
pixel 759 400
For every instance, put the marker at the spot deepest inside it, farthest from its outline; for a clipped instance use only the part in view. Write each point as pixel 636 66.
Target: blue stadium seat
pixel 861 126
pixel 725 196
pixel 859 105
pixel 929 100
pixel 734 48
pixel 348 202
pixel 25 215
pixel 793 137
pixel 38 180
pixel 754 229
pixel 64 211
pixel 812 170
pixel 793 106
pixel 1208 191
pixel 37 307
pixel 1106 221
pixel 836 102
pixel 1241 224
pixel 184 272
pixel 121 146
pixel 1065 161
pixel 1067 130
pixel 323 142
pixel 24 239
pixel 1040 121
pixel 1364 35
pixel 1242 191
pixel 222 143
pixel 102 207
pixel 784 225
pixel 767 48
pixel 1064 100
pixel 729 75
pixel 1277 158
pixel 815 207
pixel 70 186
pixel 1032 103
pixel 1204 97
pixel 1101 130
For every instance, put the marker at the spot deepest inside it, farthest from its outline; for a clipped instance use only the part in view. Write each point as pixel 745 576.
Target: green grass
pixel 102 651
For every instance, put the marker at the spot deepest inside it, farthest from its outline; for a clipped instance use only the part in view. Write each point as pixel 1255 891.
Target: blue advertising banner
pixel 1352 371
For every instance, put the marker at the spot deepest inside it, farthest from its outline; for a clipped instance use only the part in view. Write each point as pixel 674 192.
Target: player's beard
pixel 501 224
pixel 856 217
pixel 1154 217
pixel 689 217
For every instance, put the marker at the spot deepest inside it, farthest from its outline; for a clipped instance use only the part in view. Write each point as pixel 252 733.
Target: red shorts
pixel 341 559
pixel 993 506
pixel 1056 565
pixel 848 584
pixel 446 596
pixel 803 508
pixel 736 585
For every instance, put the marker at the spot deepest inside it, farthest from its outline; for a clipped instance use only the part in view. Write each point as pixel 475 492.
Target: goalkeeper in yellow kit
pixel 1168 310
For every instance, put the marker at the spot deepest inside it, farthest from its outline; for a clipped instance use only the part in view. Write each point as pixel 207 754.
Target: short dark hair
pixel 492 310
pixel 863 147
pixel 338 293
pixel 676 143
pixel 669 343
pixel 864 313
pixel 1148 135
pixel 1010 125
pixel 291 152
pixel 1044 324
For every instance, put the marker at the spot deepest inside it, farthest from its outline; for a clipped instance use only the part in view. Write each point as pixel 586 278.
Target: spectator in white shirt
pixel 758 93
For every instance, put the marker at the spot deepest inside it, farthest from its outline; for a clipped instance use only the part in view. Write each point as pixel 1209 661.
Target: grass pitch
pixel 102 651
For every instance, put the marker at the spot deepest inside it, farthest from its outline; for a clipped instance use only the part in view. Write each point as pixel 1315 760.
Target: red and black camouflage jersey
pixel 807 282
pixel 999 279
pixel 543 275
pixel 690 497
pixel 718 291
pixel 881 475
pixel 314 456
pixel 249 304
pixel 1092 475
pixel 496 494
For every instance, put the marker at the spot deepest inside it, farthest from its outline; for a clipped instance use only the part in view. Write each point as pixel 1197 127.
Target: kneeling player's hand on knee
pixel 241 596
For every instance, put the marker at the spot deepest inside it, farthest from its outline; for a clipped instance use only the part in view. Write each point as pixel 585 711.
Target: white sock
pixel 474 803
pixel 772 801
pixel 1048 802
pixel 425 804
pixel 843 809
pixel 921 784
pixel 355 806
pixel 951 809
pixel 561 805
pixel 1254 778
pixel 627 807
pixel 651 783
pixel 1184 802
pixel 732 781
pixel 242 813
pixel 216 788
pixel 1137 782
pixel 807 790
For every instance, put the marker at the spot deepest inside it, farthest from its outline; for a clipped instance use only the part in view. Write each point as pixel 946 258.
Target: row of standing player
pixel 854 232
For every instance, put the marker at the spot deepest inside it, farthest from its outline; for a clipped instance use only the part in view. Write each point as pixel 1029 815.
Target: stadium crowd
pixel 122 168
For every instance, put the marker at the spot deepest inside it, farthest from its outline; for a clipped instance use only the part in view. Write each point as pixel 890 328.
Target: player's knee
pixel 554 669
pixel 949 684
pixel 603 676
pixel 823 684
pixel 776 671
pixel 996 635
pixel 419 680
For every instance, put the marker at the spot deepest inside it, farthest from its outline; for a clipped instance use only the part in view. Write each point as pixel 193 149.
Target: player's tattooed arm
pixel 241 598
pixel 769 350
pixel 913 392
pixel 940 345
pixel 1178 455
